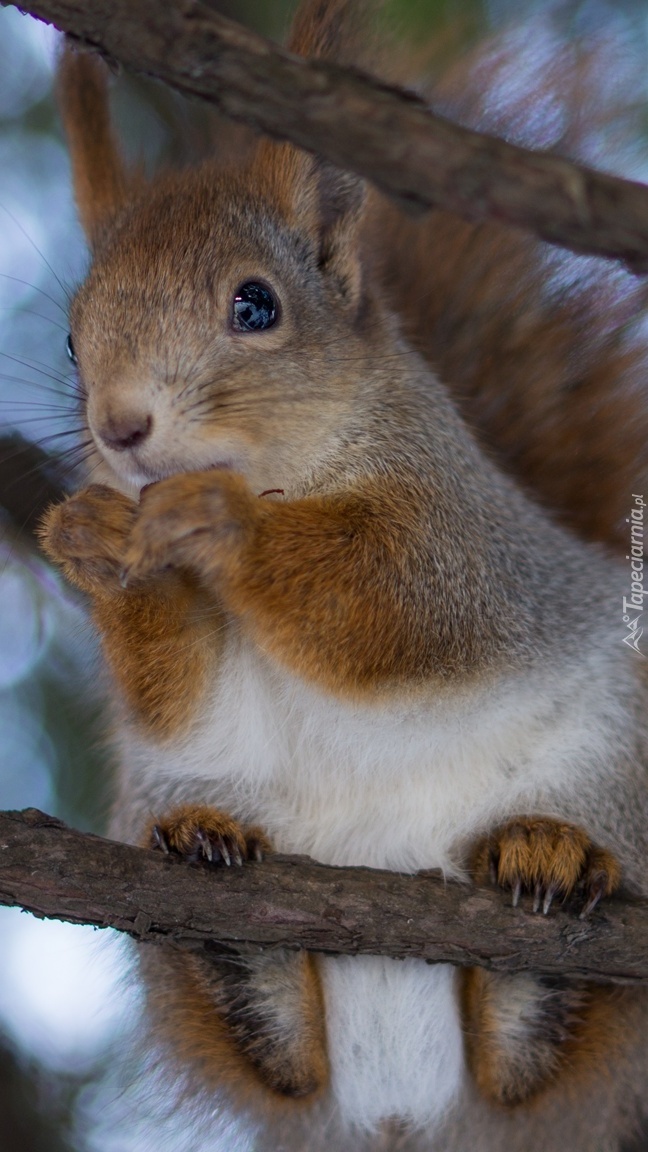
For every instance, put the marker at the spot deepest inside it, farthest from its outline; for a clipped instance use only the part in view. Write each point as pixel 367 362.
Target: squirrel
pixel 349 610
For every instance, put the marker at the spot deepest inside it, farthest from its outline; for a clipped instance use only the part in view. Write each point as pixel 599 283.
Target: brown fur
pixel 247 1024
pixel 185 829
pixel 324 584
pixel 214 1017
pixel 524 1032
pixel 100 177
pixel 351 580
pixel 551 377
pixel 160 641
pixel 568 1032
pixel 539 851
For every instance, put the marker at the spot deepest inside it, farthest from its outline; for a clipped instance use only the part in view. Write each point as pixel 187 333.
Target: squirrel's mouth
pixel 219 465
pixel 164 452
pixel 139 473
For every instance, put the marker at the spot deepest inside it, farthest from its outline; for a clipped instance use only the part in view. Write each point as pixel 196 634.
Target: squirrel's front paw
pixel 199 832
pixel 87 535
pixel 191 520
pixel 548 858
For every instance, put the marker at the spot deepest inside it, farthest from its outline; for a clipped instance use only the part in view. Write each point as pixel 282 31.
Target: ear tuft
pixel 98 170
pixel 312 194
pixel 341 205
pixel 321 201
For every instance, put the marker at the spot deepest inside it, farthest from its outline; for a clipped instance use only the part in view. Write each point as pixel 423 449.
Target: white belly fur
pixel 394 1038
pixel 401 788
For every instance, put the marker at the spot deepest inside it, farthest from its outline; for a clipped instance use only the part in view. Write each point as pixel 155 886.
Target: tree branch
pixel 54 871
pixel 383 133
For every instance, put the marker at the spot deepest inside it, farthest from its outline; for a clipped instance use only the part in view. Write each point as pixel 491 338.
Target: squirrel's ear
pixel 326 200
pixel 98 170
pixel 321 201
pixel 314 196
pixel 341 200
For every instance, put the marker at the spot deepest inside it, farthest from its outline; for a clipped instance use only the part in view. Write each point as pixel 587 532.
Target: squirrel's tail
pixel 545 352
pixel 553 379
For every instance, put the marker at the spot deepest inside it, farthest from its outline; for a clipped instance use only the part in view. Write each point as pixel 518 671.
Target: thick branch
pixel 53 871
pixel 382 133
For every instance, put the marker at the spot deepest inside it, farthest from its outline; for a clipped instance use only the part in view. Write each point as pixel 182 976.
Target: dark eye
pixel 255 308
pixel 69 348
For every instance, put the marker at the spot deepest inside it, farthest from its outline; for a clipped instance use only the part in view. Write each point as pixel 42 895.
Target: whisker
pixel 189 378
pixel 204 613
pixel 29 405
pixel 34 246
pixel 94 466
pixel 65 376
pixel 64 463
pixel 34 365
pixel 35 288
pixel 43 369
pixel 397 356
pixel 60 455
pixel 59 435
pixel 54 436
pixel 31 383
pixel 29 312
pixel 42 419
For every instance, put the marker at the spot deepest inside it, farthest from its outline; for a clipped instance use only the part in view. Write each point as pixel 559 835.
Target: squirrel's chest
pixel 400 784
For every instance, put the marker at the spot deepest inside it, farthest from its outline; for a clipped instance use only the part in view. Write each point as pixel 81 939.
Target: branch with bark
pixel 54 871
pixel 383 133
pixel 423 160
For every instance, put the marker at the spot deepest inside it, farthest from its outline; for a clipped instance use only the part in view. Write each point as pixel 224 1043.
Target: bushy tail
pixel 546 353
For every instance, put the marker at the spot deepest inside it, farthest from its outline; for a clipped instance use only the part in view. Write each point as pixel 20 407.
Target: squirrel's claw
pixel 546 858
pixel 159 839
pixel 591 904
pixel 548 898
pixel 597 888
pixel 214 847
pixel 201 833
pixel 219 845
pixel 205 845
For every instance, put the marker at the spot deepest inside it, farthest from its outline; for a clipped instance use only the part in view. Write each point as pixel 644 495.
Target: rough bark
pixel 385 134
pixel 54 871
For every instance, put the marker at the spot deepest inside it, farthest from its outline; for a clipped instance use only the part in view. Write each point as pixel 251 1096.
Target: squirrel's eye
pixel 69 348
pixel 255 308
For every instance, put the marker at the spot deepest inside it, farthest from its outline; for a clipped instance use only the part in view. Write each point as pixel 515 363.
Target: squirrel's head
pixel 225 320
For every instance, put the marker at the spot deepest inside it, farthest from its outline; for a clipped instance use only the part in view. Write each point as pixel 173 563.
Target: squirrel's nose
pixel 125 431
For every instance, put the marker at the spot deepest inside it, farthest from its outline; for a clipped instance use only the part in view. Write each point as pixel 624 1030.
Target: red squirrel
pixel 339 621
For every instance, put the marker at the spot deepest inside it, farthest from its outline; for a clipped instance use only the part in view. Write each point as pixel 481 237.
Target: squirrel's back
pixel 544 352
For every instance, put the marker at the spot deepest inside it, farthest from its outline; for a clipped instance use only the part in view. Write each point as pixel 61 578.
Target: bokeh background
pixel 70 1075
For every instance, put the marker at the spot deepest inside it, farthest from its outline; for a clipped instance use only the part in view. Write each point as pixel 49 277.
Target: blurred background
pixel 70 1077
